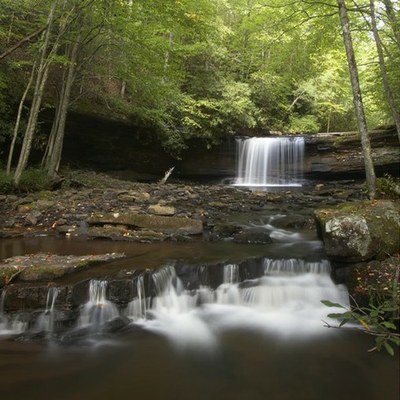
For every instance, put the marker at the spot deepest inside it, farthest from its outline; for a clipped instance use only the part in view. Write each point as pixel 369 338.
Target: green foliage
pixel 6 183
pixel 32 180
pixel 303 124
pixel 388 187
pixel 380 321
pixel 201 68
pixel 380 318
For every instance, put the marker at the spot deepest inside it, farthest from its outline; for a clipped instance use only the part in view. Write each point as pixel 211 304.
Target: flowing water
pixel 270 161
pixel 200 324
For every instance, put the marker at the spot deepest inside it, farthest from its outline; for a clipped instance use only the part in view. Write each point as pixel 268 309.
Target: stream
pixel 231 332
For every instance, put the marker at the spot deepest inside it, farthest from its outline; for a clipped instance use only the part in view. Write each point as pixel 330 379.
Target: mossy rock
pixel 360 231
pixel 157 223
pixel 48 267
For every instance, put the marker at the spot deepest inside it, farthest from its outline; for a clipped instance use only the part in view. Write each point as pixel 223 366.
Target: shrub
pixel 388 187
pixel 32 180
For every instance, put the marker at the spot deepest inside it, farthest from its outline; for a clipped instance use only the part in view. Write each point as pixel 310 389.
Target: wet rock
pixel 253 236
pixel 48 267
pixel 120 291
pixel 121 232
pixel 361 231
pixel 169 225
pixel 116 324
pixel 225 230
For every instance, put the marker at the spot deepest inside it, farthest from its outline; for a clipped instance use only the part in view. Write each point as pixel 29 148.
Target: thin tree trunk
pixel 17 122
pixel 357 99
pixel 41 78
pixel 55 149
pixel 394 23
pixel 382 66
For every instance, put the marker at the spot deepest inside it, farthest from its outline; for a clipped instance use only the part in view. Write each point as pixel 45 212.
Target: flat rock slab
pixel 157 223
pixel 46 267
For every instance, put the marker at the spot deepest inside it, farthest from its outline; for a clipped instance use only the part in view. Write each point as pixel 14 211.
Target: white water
pixel 270 162
pixel 98 310
pixel 45 321
pixel 286 300
pixel 8 325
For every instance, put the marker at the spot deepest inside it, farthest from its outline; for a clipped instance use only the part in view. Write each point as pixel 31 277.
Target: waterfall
pixel 45 321
pixel 8 324
pixel 98 310
pixel 137 308
pixel 270 161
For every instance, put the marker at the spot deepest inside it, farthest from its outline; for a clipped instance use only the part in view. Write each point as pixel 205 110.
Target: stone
pixel 47 267
pixel 360 231
pixel 33 217
pixel 158 209
pixel 253 236
pixel 158 223
pixel 134 196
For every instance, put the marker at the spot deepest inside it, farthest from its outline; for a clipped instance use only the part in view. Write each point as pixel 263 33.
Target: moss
pixel 382 218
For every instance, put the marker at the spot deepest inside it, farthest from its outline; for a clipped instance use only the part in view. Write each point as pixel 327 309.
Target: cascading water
pixel 98 310
pixel 285 298
pixel 8 324
pixel 270 161
pixel 45 321
pixel 138 306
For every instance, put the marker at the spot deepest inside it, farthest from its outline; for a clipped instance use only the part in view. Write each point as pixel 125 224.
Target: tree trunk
pixel 17 122
pixel 394 23
pixel 357 99
pixel 382 66
pixel 57 136
pixel 41 78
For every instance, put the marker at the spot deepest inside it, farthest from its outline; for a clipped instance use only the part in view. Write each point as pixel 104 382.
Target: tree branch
pixel 22 41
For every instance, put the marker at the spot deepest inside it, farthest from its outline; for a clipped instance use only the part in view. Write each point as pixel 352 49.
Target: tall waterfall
pixel 270 161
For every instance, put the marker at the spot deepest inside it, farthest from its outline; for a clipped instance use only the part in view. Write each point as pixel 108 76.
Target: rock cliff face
pixel 101 144
pixel 339 154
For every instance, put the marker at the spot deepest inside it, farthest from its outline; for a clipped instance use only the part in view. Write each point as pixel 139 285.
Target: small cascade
pixel 231 273
pixel 270 161
pixel 228 292
pixel 170 295
pixel 137 308
pixel 46 320
pixel 98 310
pixel 8 324
pixel 3 318
pixel 295 266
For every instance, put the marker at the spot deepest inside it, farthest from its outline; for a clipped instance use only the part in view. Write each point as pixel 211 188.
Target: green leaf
pixel 329 303
pixel 389 348
pixel 345 321
pixel 389 325
pixel 335 315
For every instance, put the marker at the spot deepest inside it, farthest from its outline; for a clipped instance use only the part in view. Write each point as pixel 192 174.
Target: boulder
pixel 360 231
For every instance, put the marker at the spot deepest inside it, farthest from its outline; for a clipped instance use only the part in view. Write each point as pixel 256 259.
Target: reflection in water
pixel 246 365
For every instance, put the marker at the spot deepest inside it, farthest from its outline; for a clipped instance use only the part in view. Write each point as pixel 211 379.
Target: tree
pixel 357 99
pixel 46 53
pixel 382 67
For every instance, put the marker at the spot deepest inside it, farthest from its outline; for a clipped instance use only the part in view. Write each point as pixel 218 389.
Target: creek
pixel 201 320
pixel 245 333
